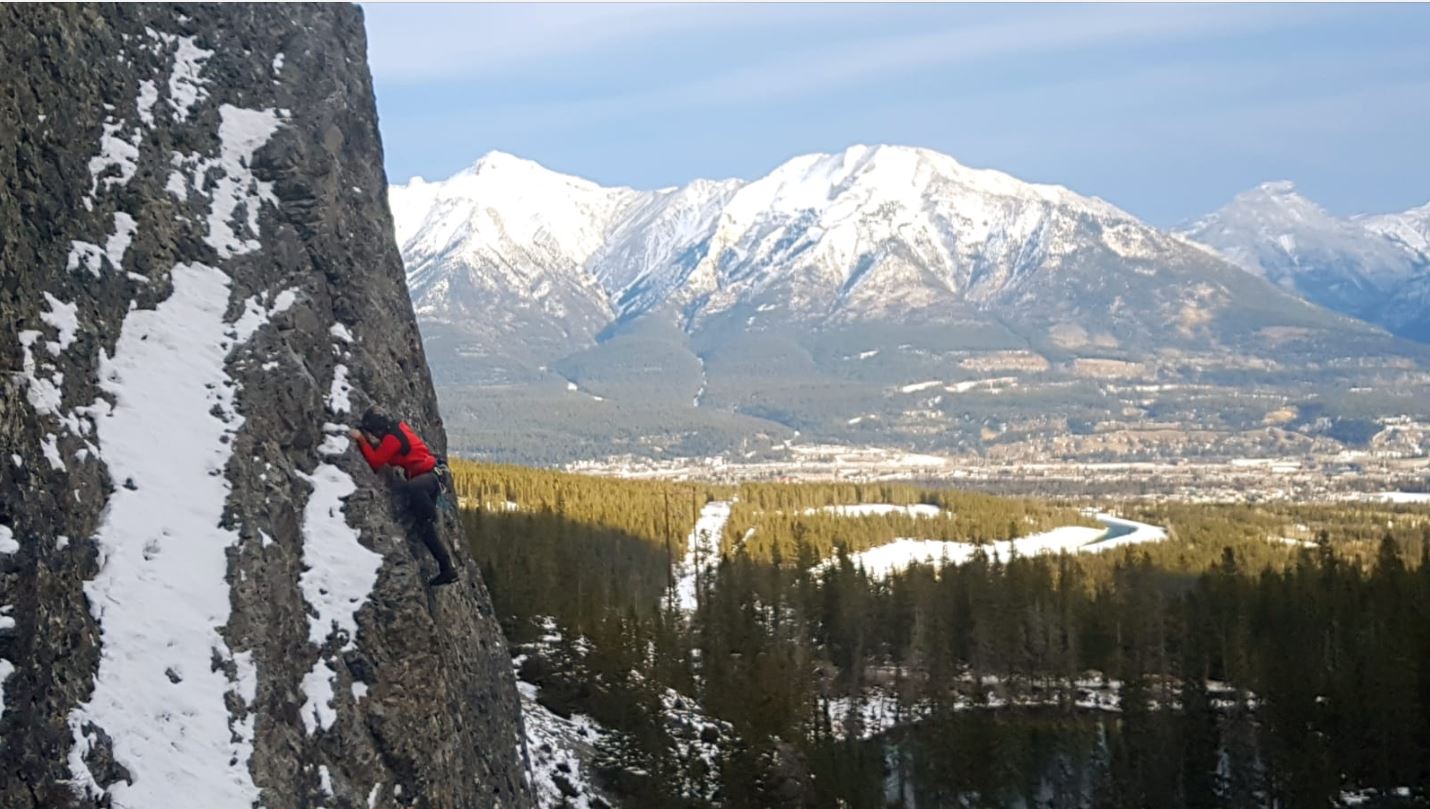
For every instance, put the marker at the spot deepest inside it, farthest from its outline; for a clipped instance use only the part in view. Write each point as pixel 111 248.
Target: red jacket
pixel 418 460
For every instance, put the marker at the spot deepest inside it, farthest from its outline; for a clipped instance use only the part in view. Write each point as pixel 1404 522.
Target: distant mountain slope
pixel 819 297
pixel 1411 228
pixel 1366 267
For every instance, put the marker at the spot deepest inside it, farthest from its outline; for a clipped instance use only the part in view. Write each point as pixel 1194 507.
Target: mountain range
pixel 885 295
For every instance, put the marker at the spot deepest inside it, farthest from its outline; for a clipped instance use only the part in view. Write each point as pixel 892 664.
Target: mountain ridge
pixel 1367 266
pixel 735 217
pixel 750 297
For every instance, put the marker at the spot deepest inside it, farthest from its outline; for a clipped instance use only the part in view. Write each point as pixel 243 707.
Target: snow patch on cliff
pixel 166 678
pixel 161 595
pixel 340 571
pixel 242 132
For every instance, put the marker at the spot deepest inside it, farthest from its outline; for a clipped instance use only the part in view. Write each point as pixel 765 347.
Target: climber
pixel 385 441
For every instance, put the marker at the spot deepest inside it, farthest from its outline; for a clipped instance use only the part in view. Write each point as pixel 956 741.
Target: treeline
pixel 1356 527
pixel 771 520
pixel 575 546
pixel 644 508
pixel 572 546
pixel 1319 655
pixel 1325 666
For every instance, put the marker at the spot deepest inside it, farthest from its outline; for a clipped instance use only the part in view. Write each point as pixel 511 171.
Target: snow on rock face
pixel 216 599
pixel 241 133
pixel 8 547
pixel 160 597
pixel 186 88
pixel 163 560
pixel 339 399
pixel 90 256
pixel 63 318
pixel 341 574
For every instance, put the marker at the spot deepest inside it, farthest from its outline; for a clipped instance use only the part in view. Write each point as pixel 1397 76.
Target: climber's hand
pixel 355 433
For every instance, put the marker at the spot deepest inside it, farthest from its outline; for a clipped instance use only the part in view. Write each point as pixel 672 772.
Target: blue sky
pixel 1166 111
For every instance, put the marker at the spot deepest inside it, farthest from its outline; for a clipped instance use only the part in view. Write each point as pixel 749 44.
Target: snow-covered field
pixel 703 545
pixel 903 552
pixel 702 549
pixel 878 509
pixel 1403 497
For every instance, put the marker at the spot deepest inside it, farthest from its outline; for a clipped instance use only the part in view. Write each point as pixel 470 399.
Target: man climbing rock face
pixel 385 441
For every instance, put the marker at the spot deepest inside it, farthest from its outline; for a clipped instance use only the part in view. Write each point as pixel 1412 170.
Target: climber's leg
pixel 421 494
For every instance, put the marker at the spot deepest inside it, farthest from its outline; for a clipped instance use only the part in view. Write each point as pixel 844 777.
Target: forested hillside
pixel 1259 656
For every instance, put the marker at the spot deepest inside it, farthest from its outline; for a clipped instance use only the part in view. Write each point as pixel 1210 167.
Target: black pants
pixel 420 495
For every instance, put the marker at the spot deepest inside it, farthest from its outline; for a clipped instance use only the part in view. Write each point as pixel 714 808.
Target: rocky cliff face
pixel 205 596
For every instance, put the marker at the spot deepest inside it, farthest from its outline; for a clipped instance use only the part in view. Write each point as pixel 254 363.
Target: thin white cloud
pixel 830 69
pixel 419 42
pixel 1064 30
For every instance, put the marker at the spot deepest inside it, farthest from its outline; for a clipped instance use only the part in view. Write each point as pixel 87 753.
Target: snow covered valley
pixel 903 552
pixel 705 542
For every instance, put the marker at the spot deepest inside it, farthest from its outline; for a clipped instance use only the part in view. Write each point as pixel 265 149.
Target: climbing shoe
pixel 445 577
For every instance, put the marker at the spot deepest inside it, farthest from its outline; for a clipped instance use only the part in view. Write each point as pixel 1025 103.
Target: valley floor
pixel 1328 478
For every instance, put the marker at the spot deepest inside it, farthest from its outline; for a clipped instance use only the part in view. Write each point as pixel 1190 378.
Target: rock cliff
pixel 206 598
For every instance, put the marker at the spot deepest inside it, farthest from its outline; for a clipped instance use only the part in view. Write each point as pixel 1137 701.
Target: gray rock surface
pixel 118 114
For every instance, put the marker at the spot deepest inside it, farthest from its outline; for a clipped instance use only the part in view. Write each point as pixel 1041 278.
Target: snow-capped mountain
pixel 506 230
pixel 1365 266
pixel 1411 228
pixel 874 231
pixel 870 232
pixel 800 300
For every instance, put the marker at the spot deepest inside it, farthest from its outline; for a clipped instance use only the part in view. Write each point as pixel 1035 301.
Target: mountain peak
pixel 1349 265
pixel 907 174
pixel 1277 188
pixel 499 161
pixel 1275 203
